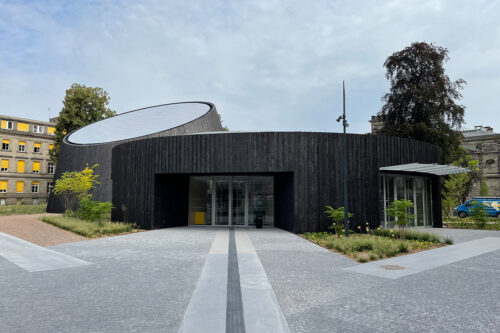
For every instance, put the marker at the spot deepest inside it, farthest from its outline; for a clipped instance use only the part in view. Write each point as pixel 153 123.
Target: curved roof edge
pixel 67 137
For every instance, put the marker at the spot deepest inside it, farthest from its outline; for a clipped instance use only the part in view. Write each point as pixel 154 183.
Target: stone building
pixel 484 146
pixel 26 171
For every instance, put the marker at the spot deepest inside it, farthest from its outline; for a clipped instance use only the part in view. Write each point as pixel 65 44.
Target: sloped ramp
pixel 34 258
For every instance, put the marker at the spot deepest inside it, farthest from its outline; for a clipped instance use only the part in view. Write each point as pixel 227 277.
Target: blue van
pixel 492 206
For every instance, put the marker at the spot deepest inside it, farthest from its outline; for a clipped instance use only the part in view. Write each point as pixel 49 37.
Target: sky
pixel 266 65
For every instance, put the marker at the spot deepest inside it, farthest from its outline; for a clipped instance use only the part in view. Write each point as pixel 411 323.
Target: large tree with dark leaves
pixel 82 105
pixel 422 102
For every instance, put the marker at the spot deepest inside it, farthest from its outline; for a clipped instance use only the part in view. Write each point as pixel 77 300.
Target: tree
pixel 75 185
pixel 457 187
pixel 398 209
pixel 337 215
pixel 484 189
pixel 81 106
pixel 479 214
pixel 422 102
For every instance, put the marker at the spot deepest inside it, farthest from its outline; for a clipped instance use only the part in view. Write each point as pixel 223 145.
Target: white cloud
pixel 265 64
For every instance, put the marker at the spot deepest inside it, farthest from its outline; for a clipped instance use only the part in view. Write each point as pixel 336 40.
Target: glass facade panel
pixel 221 202
pixel 238 203
pixel 200 201
pixel 417 189
pixel 237 200
pixel 261 201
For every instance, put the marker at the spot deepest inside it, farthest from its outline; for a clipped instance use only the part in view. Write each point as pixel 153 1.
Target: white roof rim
pixel 97 133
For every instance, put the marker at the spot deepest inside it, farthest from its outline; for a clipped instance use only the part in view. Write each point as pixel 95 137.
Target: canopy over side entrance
pixel 429 169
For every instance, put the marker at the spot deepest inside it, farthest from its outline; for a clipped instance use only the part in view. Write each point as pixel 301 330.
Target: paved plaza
pixel 242 280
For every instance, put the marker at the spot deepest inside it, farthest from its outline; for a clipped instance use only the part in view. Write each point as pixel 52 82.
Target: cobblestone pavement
pixel 31 229
pixel 143 283
pixel 316 295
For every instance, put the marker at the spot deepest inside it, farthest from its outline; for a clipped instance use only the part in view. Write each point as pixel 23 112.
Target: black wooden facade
pixel 150 176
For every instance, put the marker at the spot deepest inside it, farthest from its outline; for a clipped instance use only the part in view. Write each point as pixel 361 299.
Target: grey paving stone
pixel 143 283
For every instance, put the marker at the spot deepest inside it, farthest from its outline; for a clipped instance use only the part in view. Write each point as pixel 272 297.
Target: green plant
pixel 75 185
pixel 19 209
pixel 91 210
pixel 484 189
pixel 337 215
pixel 479 215
pixel 398 209
pixel 88 228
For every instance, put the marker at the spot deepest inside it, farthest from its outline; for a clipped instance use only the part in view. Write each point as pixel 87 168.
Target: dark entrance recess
pixel 172 200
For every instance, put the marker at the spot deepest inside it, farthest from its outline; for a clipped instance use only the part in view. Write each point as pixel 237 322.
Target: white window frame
pixel 35 188
pixel 5 146
pixel 21 150
pixel 50 168
pixel 50 187
pixel 39 148
pixel 38 129
pixel 10 124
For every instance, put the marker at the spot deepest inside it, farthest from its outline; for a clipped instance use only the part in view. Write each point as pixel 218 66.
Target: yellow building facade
pixel 26 171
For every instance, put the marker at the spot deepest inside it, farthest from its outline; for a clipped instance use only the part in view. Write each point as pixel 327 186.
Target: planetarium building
pixel 174 165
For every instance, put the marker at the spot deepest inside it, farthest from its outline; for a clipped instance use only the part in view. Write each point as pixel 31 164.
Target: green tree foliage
pixel 422 102
pixel 94 211
pixel 337 215
pixel 479 214
pixel 398 209
pixel 484 189
pixel 81 106
pixel 75 185
pixel 224 127
pixel 457 187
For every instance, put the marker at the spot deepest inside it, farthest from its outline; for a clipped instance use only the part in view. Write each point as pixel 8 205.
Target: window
pixel 20 187
pixel 20 166
pixel 50 168
pixel 5 144
pixel 2 202
pixel 51 130
pixel 4 167
pixel 37 129
pixel 35 201
pixel 37 147
pixel 7 124
pixel 36 167
pixel 50 186
pixel 22 146
pixel 3 186
pixel 23 127
pixel 51 146
pixel 34 187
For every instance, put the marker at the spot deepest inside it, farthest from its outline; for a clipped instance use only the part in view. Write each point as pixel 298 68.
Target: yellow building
pixel 26 171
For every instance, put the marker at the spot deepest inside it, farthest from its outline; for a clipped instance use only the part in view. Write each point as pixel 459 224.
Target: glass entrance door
pixel 238 202
pixel 222 202
pixel 231 200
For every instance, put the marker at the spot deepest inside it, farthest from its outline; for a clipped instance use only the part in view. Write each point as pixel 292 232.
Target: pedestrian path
pixel 34 258
pixel 397 267
pixel 233 293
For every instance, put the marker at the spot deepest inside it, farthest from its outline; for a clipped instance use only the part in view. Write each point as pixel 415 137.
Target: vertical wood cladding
pixel 74 157
pixel 307 168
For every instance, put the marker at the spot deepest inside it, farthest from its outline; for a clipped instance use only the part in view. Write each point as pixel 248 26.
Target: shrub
pixel 479 215
pixel 91 210
pixel 337 215
pixel 74 186
pixel 398 209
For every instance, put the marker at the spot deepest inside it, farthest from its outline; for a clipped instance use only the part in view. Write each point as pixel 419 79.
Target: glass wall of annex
pixel 414 188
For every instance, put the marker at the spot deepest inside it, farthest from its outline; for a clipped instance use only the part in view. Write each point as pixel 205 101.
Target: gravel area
pixel 31 229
